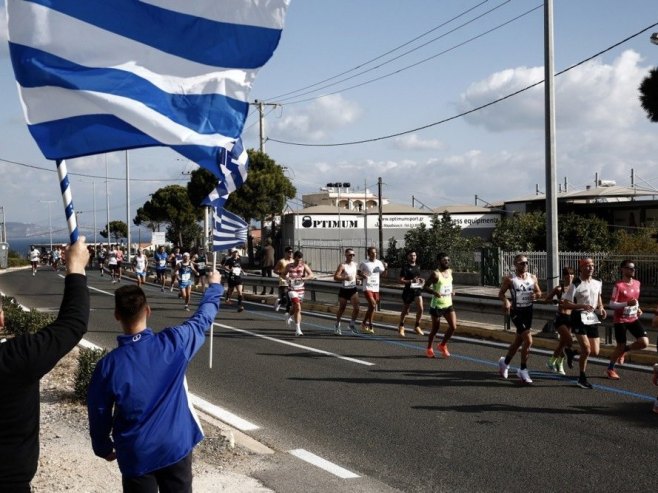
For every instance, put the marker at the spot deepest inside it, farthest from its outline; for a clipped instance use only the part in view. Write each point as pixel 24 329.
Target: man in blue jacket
pixel 139 410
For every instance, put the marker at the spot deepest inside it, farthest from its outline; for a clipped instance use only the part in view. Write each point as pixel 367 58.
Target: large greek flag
pixel 228 230
pixel 104 75
pixel 233 166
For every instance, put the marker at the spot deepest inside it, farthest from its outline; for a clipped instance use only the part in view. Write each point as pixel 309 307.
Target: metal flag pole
pixel 214 268
pixel 67 199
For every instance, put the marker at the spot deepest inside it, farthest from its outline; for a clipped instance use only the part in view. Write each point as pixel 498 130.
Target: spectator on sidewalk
pixel 23 361
pixel 267 263
pixel 139 409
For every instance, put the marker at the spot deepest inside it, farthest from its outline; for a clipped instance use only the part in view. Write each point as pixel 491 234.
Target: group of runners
pixel 580 312
pixel 52 258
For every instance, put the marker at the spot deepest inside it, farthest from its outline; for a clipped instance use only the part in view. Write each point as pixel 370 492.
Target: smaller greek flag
pixel 233 166
pixel 229 230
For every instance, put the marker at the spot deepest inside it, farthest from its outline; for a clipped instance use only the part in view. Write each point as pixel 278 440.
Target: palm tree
pixel 649 94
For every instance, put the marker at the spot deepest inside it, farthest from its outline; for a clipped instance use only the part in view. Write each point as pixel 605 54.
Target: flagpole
pixel 67 199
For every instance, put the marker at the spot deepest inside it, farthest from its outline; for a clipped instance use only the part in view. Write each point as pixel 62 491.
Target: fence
pixel 607 266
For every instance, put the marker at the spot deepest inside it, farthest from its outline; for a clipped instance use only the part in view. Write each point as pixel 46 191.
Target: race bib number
pixel 416 285
pixel 185 277
pixel 372 282
pixel 631 311
pixel 297 283
pixel 162 263
pixel 236 271
pixel 202 265
pixel 446 290
pixel 589 318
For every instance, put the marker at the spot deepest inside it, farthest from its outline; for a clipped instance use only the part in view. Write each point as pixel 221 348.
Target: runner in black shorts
pixel 584 299
pixel 412 291
pixel 346 274
pixel 524 290
pixel 562 324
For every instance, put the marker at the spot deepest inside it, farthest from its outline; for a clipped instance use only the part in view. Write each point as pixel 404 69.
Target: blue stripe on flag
pixel 203 40
pixel 202 113
pixel 229 230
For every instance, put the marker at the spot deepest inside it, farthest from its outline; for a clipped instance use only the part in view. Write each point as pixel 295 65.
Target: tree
pixel 172 204
pixel 265 191
pixel 643 241
pixel 118 230
pixel 148 216
pixel 584 234
pixel 201 183
pixel 521 232
pixel 443 236
pixel 649 94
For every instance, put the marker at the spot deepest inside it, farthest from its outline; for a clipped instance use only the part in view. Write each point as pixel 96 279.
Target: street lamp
pixel 50 220
pixel 654 38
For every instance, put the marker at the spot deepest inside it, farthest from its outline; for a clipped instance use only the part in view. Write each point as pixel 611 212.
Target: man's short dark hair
pixel 288 249
pixel 129 301
pixel 298 254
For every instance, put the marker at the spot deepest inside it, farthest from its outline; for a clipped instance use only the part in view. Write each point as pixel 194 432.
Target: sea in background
pixel 22 245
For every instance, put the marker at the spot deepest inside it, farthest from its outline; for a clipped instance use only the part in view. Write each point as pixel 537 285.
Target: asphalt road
pixel 377 407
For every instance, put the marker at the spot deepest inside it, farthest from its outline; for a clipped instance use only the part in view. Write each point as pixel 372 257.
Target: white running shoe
pixel 503 369
pixel 289 321
pixel 352 326
pixel 337 330
pixel 298 332
pixel 559 364
pixel 523 375
pixel 277 305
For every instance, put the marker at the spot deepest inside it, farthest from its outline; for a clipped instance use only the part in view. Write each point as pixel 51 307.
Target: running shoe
pixel 444 350
pixel 240 308
pixel 620 360
pixel 187 308
pixel 298 332
pixel 612 374
pixel 655 406
pixel 503 369
pixel 570 356
pixel 524 375
pixel 289 321
pixel 352 326
pixel 401 330
pixel 429 352
pixel 550 364
pixel 584 384
pixel 337 331
pixel 277 305
pixel 655 374
pixel 419 331
pixel 162 290
pixel 559 364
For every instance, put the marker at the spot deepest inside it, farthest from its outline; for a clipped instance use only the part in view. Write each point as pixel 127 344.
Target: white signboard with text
pixel 390 221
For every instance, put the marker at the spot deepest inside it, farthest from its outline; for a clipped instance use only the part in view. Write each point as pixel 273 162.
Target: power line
pixel 473 110
pixel 420 62
pixel 363 64
pixel 39 168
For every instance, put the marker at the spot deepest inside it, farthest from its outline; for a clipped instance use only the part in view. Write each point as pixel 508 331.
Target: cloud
pixel 412 142
pixel 316 121
pixel 4 48
pixel 595 94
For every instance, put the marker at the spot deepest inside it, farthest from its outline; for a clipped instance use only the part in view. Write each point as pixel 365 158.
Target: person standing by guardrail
pixel 524 289
pixel 412 291
pixel 654 324
pixel 625 303
pixel 346 274
pixel 280 270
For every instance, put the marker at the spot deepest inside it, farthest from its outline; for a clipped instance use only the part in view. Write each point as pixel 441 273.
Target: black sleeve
pixel 31 356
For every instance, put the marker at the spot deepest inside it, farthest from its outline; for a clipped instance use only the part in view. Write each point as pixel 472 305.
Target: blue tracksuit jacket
pixel 138 394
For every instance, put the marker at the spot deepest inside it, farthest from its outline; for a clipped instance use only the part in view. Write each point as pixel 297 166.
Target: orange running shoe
pixel 444 350
pixel 429 352
pixel 612 374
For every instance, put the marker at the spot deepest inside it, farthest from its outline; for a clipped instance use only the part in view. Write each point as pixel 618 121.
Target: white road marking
pixel 222 414
pixel 323 464
pixel 299 346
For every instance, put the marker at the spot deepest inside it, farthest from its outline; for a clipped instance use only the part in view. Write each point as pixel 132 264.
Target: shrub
pixel 19 322
pixel 87 359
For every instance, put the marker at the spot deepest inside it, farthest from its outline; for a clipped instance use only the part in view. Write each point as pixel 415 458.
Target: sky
pixel 364 70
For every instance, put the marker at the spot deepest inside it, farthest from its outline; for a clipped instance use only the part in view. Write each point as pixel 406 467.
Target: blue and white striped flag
pixel 233 166
pixel 228 230
pixel 104 75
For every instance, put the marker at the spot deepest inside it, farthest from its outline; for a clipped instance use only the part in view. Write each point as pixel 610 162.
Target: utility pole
pixel 261 120
pixel 379 210
pixel 552 257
